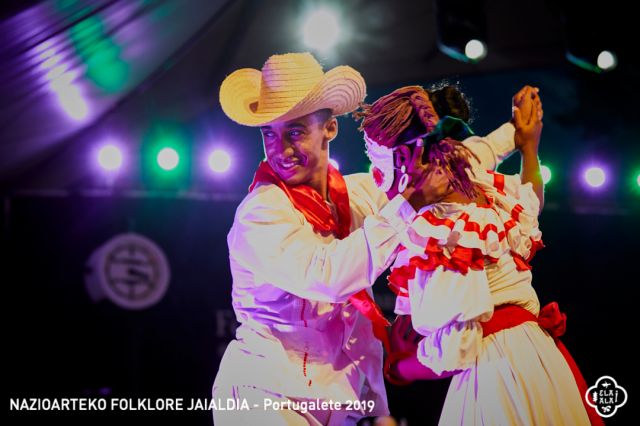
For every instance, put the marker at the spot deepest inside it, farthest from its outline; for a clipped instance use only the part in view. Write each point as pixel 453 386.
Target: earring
pixel 404 180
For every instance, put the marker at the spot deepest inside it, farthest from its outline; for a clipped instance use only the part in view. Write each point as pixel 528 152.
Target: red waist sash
pixel 552 320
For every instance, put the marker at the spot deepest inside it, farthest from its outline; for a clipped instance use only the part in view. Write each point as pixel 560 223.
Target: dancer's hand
pixel 403 346
pixel 403 337
pixel 427 184
pixel 402 363
pixel 522 101
pixel 527 119
pixel 432 186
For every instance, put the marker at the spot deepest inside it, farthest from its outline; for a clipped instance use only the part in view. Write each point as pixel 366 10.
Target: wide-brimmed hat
pixel 289 86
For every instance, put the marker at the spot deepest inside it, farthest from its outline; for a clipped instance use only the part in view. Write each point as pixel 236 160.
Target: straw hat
pixel 289 86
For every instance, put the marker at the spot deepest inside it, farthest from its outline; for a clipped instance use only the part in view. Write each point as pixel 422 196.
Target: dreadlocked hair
pixel 409 110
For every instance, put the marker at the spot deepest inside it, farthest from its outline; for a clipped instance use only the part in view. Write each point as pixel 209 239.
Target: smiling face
pixel 298 149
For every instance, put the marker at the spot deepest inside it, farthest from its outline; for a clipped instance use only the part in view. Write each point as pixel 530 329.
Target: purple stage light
pixel 219 161
pixel 110 158
pixel 595 176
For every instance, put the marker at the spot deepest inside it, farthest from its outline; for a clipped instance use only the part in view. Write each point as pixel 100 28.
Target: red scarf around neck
pixel 308 201
pixel 314 208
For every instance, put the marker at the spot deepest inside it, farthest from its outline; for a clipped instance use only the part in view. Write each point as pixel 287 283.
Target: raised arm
pixel 494 148
pixel 498 145
pixel 527 118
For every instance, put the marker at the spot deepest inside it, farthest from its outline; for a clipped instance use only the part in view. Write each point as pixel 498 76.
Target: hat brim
pixel 341 90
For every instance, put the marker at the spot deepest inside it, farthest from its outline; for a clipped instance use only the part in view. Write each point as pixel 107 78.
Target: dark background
pixel 57 208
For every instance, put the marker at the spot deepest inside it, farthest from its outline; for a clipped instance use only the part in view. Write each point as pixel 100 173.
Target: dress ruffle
pixel 463 236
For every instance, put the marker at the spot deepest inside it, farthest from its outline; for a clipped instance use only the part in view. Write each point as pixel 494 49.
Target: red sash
pixel 552 320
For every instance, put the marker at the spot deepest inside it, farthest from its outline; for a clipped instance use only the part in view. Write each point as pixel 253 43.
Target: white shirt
pixel 297 336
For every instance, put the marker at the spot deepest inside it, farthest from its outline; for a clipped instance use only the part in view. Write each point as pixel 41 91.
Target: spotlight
pixel 475 50
pixel 72 102
pixel 592 61
pixel 51 59
pixel 334 163
pixel 168 158
pixel 461 26
pixel 589 34
pixel 321 30
pixel 219 161
pixel 110 157
pixel 595 177
pixel 546 174
pixel 607 60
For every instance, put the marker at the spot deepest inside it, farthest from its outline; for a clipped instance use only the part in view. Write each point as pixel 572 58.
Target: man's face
pixel 298 149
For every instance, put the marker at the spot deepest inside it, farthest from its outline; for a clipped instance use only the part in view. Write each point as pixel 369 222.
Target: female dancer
pixel 464 276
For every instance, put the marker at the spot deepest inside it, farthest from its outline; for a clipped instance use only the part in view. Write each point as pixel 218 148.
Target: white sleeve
pixel 494 148
pixel 446 308
pixel 367 188
pixel 271 240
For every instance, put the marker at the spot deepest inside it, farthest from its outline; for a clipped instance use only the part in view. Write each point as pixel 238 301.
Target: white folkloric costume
pixel 299 339
pixel 473 259
pixel 464 277
pixel 302 269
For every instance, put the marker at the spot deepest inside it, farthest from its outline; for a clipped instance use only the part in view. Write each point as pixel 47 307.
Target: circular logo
pixel 606 396
pixel 130 270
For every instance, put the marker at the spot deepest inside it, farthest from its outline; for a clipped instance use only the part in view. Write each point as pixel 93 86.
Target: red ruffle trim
pixel 462 258
pixel 498 181
pixel 470 226
pixel 522 264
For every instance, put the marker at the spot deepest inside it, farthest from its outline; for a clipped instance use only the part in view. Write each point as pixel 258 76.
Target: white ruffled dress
pixel 461 262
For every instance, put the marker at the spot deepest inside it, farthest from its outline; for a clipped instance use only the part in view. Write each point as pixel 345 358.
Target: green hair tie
pixel 449 127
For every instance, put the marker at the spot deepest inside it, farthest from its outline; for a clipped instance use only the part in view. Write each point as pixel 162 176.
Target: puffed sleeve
pixel 523 193
pixel 494 148
pixel 272 241
pixel 447 307
pixel 519 202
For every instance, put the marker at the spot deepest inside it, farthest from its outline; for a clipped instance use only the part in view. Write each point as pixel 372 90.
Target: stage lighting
pixel 595 177
pixel 546 174
pixel 72 102
pixel 461 26
pixel 607 60
pixel 219 161
pixel 475 50
pixel 589 39
pixel 334 163
pixel 110 157
pixel 321 30
pixel 591 60
pixel 51 61
pixel 168 158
